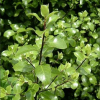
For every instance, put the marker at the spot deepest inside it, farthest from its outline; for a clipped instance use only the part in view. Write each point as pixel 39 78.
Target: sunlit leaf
pixel 93 80
pixel 57 42
pixel 2 92
pixel 48 96
pixel 43 72
pixel 22 67
pixel 9 33
pixel 44 10
pixel 34 14
pixel 80 56
pixel 25 49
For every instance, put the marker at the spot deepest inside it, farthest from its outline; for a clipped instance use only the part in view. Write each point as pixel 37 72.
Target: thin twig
pixel 29 62
pixel 41 55
pixel 81 64
pixel 41 49
pixel 52 81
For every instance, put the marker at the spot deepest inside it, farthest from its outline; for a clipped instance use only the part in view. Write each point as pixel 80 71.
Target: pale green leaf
pixel 22 67
pixel 43 72
pixel 39 33
pixel 8 89
pixel 51 14
pixel 9 33
pixel 52 19
pixel 44 10
pixel 91 26
pixel 16 97
pixel 34 14
pixel 15 27
pixel 57 42
pixel 25 49
pixel 47 95
pixel 6 53
pixel 16 89
pixel 21 30
pixel 80 56
pixel 74 85
pixel 2 92
pixel 72 42
pixel 93 80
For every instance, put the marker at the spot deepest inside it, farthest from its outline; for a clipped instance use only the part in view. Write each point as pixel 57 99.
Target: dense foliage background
pixel 50 49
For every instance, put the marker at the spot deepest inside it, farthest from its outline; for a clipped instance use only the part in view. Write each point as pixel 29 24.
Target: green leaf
pixel 16 97
pixel 51 14
pixel 17 12
pixel 21 30
pixel 6 53
pixel 91 26
pixel 15 27
pixel 98 93
pixel 9 88
pixel 85 81
pixel 44 10
pixel 72 30
pixel 72 42
pixel 9 33
pixel 2 71
pixel 22 67
pixel 74 85
pixel 52 20
pixel 87 70
pixel 34 14
pixel 2 92
pixel 25 2
pixel 85 13
pixel 29 95
pixel 57 42
pixel 88 49
pixel 47 95
pixel 39 33
pixel 16 89
pixel 35 87
pixel 80 56
pixel 25 49
pixel 43 72
pixel 70 70
pixel 93 80
pixel 60 93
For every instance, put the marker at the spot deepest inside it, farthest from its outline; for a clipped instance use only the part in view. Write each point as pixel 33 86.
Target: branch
pixel 52 81
pixel 64 81
pixel 29 62
pixel 55 86
pixel 41 55
pixel 42 43
pixel 41 49
pixel 81 64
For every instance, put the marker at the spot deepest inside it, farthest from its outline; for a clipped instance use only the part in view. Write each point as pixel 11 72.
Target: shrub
pixel 49 46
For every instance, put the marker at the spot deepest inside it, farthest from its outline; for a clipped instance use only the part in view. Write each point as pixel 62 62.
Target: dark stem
pixel 43 38
pixel 29 62
pixel 64 81
pixel 56 86
pixel 42 43
pixel 41 49
pixel 52 81
pixel 81 64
